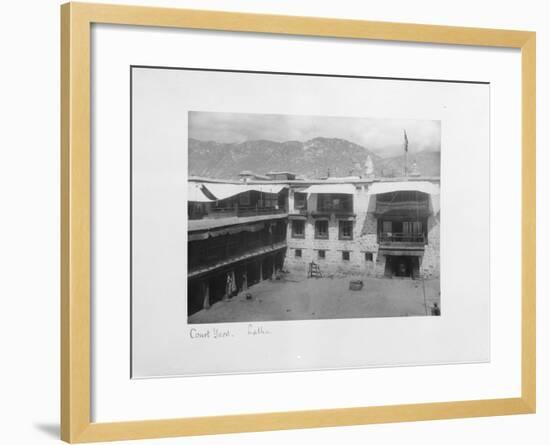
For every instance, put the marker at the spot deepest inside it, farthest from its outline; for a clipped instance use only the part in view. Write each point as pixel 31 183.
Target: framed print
pixel 335 244
pixel 255 202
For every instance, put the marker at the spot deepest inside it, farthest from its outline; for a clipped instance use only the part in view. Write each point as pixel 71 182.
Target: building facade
pixel 365 227
pixel 242 232
pixel 236 238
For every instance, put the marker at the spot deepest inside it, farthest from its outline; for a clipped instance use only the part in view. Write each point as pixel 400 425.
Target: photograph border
pixel 76 22
pixel 240 71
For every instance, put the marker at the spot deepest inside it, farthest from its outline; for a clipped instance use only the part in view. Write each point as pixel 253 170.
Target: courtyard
pixel 299 298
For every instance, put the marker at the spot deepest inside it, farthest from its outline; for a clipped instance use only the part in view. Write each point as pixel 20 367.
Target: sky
pixel 383 136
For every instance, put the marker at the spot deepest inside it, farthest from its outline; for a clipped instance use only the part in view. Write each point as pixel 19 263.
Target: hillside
pixel 311 159
pixel 428 164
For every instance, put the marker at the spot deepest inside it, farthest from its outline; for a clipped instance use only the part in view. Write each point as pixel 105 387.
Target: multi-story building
pixel 236 238
pixel 243 232
pixel 372 227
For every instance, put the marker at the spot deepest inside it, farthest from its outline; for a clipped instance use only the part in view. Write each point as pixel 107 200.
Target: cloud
pixel 383 136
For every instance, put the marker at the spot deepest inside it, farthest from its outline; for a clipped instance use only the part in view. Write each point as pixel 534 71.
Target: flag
pixel 406 141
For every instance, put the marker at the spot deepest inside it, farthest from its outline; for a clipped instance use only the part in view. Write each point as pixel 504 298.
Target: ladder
pixel 314 270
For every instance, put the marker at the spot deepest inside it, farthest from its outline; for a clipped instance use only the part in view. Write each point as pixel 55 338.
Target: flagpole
pixel 406 147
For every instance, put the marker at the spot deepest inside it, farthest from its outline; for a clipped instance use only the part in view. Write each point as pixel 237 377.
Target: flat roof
pixel 308 181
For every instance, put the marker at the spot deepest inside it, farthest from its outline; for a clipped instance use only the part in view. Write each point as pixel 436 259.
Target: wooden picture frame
pixel 76 21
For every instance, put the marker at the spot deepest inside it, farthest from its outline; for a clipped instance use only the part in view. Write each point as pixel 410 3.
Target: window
pixel 346 230
pixel 298 253
pixel 412 227
pixel 368 256
pixel 268 201
pixel 195 210
pixel 321 229
pixel 412 231
pixel 244 199
pixel 321 254
pixel 334 203
pixel 300 201
pixel 298 229
pixel 324 202
pixel 345 255
pixel 225 204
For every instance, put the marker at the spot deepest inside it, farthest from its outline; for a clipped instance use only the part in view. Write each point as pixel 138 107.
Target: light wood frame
pixel 76 20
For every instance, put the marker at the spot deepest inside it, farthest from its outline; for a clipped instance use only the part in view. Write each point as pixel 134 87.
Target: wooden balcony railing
pixel 257 211
pixel 225 212
pixel 387 237
pixel 329 212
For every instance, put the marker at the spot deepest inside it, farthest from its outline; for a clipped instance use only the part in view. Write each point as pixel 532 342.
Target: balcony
pixel 258 211
pixel 301 211
pixel 418 209
pixel 402 240
pixel 242 211
pixel 327 213
pixel 328 204
pixel 214 257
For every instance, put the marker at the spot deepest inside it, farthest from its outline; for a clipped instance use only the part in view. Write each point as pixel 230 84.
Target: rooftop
pixel 309 181
pixel 255 175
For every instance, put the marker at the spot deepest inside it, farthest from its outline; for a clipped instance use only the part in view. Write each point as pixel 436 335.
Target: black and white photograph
pixel 304 212
pixel 312 217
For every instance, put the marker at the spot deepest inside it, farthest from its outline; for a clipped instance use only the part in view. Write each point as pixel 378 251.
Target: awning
pixel 194 193
pixel 344 189
pixel 402 186
pixel 420 209
pixel 268 188
pixel 224 191
pixel 435 204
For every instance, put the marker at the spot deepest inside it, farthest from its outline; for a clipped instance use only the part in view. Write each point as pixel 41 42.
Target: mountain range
pixel 315 158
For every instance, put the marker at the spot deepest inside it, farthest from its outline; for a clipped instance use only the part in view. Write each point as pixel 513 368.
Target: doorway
pixel 402 266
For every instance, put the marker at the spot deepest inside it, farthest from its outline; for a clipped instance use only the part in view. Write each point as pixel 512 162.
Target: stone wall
pixel 364 240
pixel 429 266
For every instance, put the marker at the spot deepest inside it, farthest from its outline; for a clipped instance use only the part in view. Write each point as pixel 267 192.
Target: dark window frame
pixel 318 235
pixel 346 253
pixel 341 230
pixel 335 203
pixel 293 231
pixel 302 199
pixel 297 253
pixel 321 254
pixel 397 226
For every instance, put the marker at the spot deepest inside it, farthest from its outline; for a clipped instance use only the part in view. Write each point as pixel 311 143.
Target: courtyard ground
pixel 292 298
